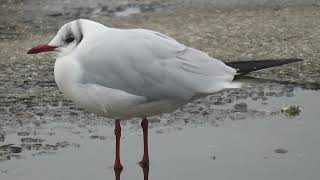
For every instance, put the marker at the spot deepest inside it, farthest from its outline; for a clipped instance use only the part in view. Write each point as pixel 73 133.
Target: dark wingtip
pixel 244 67
pixel 294 60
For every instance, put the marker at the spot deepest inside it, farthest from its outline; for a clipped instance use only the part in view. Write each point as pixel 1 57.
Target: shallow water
pixel 252 140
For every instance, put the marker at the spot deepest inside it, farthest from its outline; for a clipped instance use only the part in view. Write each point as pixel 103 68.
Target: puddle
pixel 235 134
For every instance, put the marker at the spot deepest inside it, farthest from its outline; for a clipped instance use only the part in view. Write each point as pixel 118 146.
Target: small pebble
pixel 281 151
pixel 15 149
pixel 23 134
pixel 37 123
pixel 1 137
pixel 241 107
pixel 94 137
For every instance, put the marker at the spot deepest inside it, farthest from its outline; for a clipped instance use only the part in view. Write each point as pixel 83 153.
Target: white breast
pixel 112 103
pixel 67 72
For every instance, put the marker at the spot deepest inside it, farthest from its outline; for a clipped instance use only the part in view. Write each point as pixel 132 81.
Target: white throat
pixel 67 72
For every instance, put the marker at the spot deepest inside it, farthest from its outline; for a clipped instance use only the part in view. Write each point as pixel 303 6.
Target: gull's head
pixel 66 40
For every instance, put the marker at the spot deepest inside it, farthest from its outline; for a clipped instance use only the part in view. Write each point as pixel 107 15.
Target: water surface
pixel 252 140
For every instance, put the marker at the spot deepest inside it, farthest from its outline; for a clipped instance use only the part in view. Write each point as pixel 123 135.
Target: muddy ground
pixel 30 100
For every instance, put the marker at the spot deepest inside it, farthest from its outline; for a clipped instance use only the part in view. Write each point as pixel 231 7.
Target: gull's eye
pixel 69 39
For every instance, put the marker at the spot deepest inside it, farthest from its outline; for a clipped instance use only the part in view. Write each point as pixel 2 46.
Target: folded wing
pixel 151 64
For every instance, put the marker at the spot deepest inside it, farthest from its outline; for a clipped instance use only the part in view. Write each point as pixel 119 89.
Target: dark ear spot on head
pixel 80 38
pixel 69 36
pixel 80 31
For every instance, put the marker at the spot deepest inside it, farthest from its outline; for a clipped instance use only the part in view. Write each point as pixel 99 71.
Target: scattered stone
pixel 15 149
pixel 228 101
pixel 55 14
pixel 50 147
pixel 5 146
pixel 102 138
pixel 27 146
pixel 94 137
pixel 1 137
pixel 219 103
pixel 36 146
pixel 241 107
pixel 4 158
pixel 40 113
pixel 237 116
pixel 73 114
pixel 31 140
pixel 23 133
pixel 23 97
pixel 205 113
pixel 63 144
pixel 281 151
pixel 98 137
pixel 37 123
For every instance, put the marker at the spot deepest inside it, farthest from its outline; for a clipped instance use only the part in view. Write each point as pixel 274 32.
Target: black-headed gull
pixel 125 73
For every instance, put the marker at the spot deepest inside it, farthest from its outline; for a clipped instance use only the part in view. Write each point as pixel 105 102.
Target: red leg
pixel 145 160
pixel 117 132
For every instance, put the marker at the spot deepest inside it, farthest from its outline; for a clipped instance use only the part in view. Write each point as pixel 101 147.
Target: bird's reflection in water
pixel 145 170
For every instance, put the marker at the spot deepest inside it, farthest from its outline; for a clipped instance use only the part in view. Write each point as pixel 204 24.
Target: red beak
pixel 41 48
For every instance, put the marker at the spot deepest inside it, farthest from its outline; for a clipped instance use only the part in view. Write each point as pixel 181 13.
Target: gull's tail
pixel 244 67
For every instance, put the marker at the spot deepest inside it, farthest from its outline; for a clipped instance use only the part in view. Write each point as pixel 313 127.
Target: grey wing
pixel 156 66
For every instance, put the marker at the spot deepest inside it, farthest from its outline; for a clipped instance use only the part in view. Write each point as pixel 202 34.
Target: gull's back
pixel 149 64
